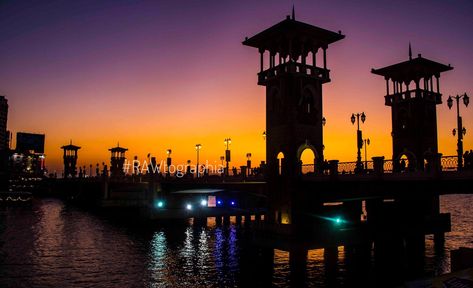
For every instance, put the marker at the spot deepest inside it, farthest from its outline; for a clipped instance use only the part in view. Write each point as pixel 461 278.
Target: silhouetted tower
pixel 293 81
pixel 293 90
pixel 412 95
pixel 117 160
pixel 70 159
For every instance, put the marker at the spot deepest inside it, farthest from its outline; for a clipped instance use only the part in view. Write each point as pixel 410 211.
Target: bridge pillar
pixel 333 166
pixel 415 251
pixel 200 221
pixel 378 165
pixel 330 262
pixel 257 218
pixel 226 220
pixel 247 219
pixel 298 266
pixel 238 219
pixel 218 220
pixel 353 211
pixel 106 193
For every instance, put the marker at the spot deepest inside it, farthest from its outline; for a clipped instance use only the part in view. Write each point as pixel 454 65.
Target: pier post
pixel 415 251
pixel 106 194
pixel 226 220
pixel 200 221
pixel 247 220
pixel 238 219
pixel 257 218
pixel 298 266
pixel 330 263
pixel 218 220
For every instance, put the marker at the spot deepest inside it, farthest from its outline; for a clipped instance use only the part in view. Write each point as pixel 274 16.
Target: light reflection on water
pixel 51 244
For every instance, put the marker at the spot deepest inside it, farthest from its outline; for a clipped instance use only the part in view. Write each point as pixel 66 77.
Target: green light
pixel 158 203
pixel 338 220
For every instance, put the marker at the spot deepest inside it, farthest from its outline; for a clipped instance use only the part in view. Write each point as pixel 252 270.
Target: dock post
pixel 247 219
pixel 238 219
pixel 218 220
pixel 257 218
pixel 200 221
pixel 226 220
pixel 298 266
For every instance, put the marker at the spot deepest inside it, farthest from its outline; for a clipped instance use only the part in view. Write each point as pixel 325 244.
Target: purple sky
pixel 142 72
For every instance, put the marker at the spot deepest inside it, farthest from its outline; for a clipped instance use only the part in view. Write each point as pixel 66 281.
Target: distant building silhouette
pixel 413 96
pixel 117 160
pixel 4 136
pixel 70 160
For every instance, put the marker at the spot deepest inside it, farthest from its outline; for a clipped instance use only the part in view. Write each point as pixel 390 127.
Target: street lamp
pixel 222 158
pixel 367 142
pixel 197 148
pixel 168 161
pixel 460 129
pixel 227 143
pixel 248 163
pixel 356 117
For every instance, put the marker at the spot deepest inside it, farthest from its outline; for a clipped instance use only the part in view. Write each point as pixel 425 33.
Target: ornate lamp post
pixel 460 129
pixel 248 163
pixel 356 117
pixel 367 142
pixel 168 161
pixel 227 143
pixel 197 148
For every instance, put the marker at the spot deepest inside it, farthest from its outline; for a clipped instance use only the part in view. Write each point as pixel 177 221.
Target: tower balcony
pixel 295 68
pixel 404 96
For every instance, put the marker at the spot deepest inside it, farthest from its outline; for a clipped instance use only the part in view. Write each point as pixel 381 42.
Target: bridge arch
pixel 307 157
pixel 280 158
pixel 405 161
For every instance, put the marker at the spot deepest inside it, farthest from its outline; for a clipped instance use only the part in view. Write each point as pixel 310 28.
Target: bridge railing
pixel 448 163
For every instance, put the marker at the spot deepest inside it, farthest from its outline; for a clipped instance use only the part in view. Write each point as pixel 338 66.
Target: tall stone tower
pixel 117 160
pixel 293 81
pixel 70 160
pixel 413 96
pixel 293 84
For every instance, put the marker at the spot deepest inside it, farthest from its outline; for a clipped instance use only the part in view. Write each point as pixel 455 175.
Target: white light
pixel 203 202
pixel 189 207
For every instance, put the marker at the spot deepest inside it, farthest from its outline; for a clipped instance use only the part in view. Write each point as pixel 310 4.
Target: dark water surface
pixel 51 244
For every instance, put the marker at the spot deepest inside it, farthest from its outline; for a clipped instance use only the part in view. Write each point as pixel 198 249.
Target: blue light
pixel 203 202
pixel 189 207
pixel 219 202
pixel 158 203
pixel 232 203
pixel 338 220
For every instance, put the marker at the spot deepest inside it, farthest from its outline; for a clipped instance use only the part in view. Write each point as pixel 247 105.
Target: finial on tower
pixel 410 51
pixel 293 13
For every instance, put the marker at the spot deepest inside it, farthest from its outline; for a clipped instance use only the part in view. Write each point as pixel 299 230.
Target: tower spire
pixel 293 13
pixel 410 51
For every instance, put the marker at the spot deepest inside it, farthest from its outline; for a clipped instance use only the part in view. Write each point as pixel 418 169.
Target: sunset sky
pixel 155 75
